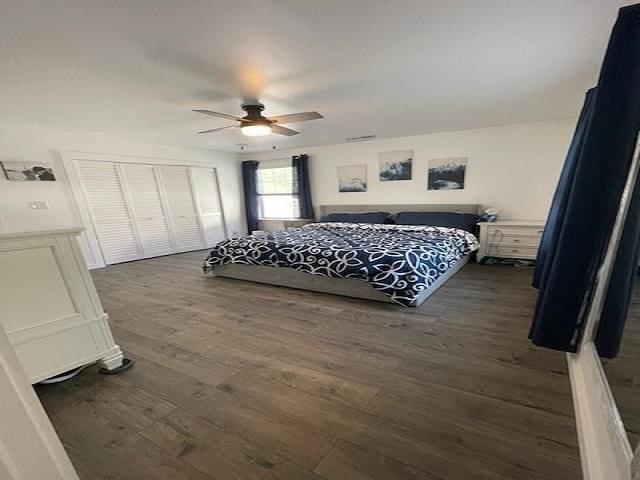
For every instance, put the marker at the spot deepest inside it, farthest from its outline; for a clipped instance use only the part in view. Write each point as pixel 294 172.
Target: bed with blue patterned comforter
pixel 400 261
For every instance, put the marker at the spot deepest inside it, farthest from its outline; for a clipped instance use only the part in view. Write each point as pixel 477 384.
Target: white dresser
pixel 510 239
pixel 49 306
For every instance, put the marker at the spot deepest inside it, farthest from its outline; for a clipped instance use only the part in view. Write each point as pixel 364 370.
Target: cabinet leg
pixel 115 362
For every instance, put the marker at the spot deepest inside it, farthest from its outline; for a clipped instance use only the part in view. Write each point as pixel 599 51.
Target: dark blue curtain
pixel 623 276
pixel 586 204
pixel 249 181
pixel 563 192
pixel 302 187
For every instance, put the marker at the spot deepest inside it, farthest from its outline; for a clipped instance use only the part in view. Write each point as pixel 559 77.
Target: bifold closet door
pixel 151 223
pixel 109 210
pixel 141 210
pixel 179 198
pixel 205 183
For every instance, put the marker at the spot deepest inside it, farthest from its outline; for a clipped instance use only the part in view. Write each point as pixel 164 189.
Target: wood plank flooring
pixel 236 380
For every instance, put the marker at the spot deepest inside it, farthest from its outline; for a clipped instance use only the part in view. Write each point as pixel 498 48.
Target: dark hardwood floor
pixel 235 380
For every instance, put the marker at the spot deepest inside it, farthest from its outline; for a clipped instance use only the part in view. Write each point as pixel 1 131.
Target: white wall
pixel 33 143
pixel 513 168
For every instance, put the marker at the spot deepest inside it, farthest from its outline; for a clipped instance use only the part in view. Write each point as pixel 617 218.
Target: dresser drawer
pixel 505 251
pixel 498 231
pixel 516 240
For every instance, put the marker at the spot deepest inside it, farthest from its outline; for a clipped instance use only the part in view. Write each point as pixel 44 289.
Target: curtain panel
pixel 301 177
pixel 249 182
pixel 586 203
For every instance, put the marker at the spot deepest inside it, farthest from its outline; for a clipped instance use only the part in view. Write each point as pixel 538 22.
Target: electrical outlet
pixel 39 205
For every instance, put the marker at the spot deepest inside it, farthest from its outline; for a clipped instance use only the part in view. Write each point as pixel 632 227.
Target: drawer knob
pixel 515 250
pixel 516 240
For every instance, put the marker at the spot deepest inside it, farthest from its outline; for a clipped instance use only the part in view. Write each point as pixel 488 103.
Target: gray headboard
pixel 394 209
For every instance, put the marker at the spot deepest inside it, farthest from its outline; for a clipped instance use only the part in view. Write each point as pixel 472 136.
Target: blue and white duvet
pixel 398 260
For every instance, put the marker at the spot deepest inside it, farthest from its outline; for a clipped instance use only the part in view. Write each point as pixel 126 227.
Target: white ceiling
pixel 134 69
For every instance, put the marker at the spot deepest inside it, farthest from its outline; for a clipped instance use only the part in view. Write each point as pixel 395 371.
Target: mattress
pixel 400 261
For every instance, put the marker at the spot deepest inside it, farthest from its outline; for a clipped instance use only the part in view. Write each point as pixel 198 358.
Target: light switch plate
pixel 39 205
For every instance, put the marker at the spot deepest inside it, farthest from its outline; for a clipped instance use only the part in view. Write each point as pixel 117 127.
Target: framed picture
pixel 352 178
pixel 28 171
pixel 395 165
pixel 446 173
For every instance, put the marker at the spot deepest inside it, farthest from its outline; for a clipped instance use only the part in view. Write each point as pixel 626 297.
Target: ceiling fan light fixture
pixel 254 124
pixel 258 130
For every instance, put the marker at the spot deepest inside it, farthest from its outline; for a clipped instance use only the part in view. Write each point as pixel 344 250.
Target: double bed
pixel 398 263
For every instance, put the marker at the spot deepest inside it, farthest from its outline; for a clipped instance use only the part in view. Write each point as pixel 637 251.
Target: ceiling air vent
pixel 364 138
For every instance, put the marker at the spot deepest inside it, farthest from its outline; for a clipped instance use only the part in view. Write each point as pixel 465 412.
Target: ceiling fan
pixel 254 124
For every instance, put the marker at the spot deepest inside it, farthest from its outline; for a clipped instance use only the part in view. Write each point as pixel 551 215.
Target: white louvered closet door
pixel 181 206
pixel 207 196
pixel 151 222
pixel 109 211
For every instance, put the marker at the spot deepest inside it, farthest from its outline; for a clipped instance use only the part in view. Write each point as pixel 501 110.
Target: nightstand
pixel 510 239
pixel 274 224
pixel 296 223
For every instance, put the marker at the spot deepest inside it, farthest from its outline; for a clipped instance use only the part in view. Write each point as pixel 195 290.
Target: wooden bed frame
pixel 349 287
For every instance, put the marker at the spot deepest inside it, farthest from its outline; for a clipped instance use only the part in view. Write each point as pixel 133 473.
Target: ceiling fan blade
pixel 282 130
pixel 296 117
pixel 218 129
pixel 220 115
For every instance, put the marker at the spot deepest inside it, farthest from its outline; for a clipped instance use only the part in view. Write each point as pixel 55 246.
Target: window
pixel 277 193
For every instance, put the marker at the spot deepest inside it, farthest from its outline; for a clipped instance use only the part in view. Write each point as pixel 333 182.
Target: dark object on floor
pixel 126 365
pixel 64 376
pixel 508 261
